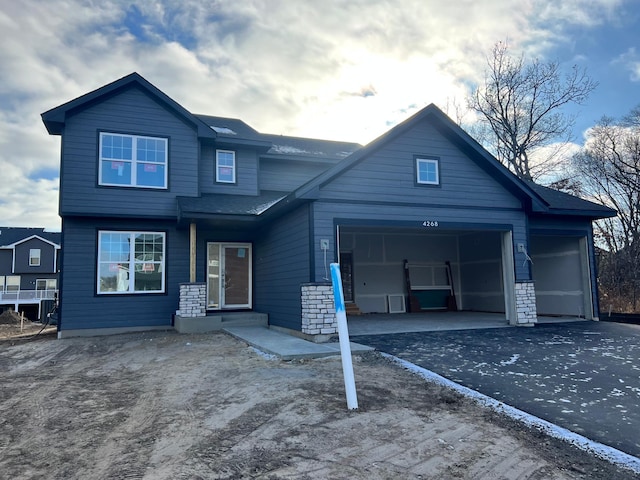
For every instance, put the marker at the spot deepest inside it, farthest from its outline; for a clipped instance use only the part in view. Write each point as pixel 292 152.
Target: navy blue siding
pixel 47 257
pixel 286 176
pixel 388 175
pixel 130 112
pixel 6 261
pixel 81 308
pixel 246 172
pixel 281 266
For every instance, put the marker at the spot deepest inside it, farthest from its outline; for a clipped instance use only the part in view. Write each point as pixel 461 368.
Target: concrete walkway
pixel 288 347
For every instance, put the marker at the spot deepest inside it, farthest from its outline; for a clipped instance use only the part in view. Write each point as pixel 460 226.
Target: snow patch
pixel 514 358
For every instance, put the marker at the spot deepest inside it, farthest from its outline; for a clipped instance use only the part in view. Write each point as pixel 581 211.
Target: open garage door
pixel 561 273
pixel 468 265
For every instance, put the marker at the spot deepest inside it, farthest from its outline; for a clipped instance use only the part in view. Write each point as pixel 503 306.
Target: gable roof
pixel 452 132
pixel 12 236
pixel 535 198
pixel 55 118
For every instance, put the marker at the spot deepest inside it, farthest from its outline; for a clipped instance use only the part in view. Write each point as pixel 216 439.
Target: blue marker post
pixel 343 335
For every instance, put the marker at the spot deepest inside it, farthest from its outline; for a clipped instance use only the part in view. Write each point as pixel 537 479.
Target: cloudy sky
pixel 335 69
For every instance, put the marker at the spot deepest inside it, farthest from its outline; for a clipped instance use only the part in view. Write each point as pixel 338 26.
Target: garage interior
pixel 391 270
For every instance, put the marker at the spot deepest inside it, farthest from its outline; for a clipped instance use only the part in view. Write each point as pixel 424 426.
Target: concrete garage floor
pixel 385 323
pixel 583 376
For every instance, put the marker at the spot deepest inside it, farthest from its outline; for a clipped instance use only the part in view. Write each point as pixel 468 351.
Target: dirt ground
pixel 168 406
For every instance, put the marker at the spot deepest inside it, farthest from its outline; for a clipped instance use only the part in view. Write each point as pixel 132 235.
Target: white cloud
pixel 630 60
pixel 331 69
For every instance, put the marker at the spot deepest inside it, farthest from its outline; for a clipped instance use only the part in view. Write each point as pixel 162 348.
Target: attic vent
pixel 226 130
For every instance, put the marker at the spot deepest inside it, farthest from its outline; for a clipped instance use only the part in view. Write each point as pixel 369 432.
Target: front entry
pixel 229 275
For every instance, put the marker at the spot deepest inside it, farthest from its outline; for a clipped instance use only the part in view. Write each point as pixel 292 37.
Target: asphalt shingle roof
pixel 229 204
pixel 558 200
pixel 11 235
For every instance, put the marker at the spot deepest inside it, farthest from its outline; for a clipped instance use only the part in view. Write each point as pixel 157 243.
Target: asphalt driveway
pixel 582 376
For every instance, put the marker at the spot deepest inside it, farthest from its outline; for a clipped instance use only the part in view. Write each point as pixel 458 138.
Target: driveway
pixel 583 376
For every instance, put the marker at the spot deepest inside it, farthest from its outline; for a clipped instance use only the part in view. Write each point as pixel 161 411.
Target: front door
pixel 228 275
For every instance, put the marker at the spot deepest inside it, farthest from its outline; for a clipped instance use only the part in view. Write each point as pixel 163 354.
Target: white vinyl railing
pixel 28 295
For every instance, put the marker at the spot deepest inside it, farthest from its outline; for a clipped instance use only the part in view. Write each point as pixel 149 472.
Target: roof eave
pixel 55 118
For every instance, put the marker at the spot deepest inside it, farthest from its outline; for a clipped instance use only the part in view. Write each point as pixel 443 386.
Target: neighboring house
pixel 28 270
pixel 169 216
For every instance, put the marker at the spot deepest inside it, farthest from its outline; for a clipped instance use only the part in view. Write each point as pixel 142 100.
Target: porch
pixel 32 298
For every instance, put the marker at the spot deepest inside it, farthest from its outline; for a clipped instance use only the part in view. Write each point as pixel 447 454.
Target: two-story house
pixel 170 216
pixel 28 270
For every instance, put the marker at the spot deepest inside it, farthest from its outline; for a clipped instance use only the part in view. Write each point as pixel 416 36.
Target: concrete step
pixel 218 321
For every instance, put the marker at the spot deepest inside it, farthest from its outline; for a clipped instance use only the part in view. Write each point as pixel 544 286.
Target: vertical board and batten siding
pixel 129 112
pixel 47 257
pixel 287 175
pixel 281 266
pixel 82 308
pixel 389 175
pixel 327 214
pixel 246 172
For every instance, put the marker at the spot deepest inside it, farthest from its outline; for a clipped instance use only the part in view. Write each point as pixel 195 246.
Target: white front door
pixel 229 278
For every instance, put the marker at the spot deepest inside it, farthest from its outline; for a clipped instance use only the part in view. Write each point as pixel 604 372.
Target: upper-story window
pixel 225 166
pixel 428 170
pixel 133 161
pixel 34 257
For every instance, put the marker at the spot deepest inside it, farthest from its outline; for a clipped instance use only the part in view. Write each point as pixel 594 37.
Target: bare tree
pixel 609 166
pixel 521 102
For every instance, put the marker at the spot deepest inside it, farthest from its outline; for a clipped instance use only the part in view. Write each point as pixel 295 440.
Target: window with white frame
pixel 131 262
pixel 12 283
pixel 428 170
pixel 46 284
pixel 132 161
pixel 34 257
pixel 225 166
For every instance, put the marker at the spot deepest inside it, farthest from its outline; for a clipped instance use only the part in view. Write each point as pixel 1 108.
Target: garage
pixel 397 270
pixel 560 267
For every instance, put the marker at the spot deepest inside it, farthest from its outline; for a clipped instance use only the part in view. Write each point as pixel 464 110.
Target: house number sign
pixel 430 223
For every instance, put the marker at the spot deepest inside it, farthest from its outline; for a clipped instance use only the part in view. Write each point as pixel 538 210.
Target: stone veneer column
pixel 193 300
pixel 526 303
pixel 318 310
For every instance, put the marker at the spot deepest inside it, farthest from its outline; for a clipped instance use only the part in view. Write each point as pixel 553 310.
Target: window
pixel 133 161
pixel 12 283
pixel 47 284
pixel 225 166
pixel 34 257
pixel 427 171
pixel 131 262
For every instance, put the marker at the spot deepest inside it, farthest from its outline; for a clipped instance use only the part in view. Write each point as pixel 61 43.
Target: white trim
pixel 134 161
pixel 509 278
pixel 433 161
pixel 222 305
pixel 37 257
pixel 233 154
pixel 13 245
pixel 122 268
